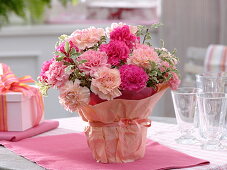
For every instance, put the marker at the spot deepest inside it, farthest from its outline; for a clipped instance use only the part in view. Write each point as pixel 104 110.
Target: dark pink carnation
pixel 44 69
pixel 123 34
pixel 117 52
pixel 133 77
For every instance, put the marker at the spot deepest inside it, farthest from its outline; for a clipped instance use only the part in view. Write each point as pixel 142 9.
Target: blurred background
pixel 29 30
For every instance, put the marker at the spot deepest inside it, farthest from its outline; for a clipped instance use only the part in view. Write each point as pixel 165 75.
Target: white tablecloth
pixel 164 133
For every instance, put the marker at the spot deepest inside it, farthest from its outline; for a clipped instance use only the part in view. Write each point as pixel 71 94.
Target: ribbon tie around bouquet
pixel 124 122
pixel 10 83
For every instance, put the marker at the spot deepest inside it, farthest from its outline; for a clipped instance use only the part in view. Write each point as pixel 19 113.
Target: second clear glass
pixel 184 101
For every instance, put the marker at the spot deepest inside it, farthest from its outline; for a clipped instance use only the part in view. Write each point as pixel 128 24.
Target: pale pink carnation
pixel 133 29
pixel 106 83
pixel 117 52
pixel 73 96
pixel 56 75
pixel 133 78
pixel 174 81
pixel 94 61
pixel 142 57
pixel 86 38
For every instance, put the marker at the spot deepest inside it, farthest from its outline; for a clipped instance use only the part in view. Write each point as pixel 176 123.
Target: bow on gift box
pixel 10 83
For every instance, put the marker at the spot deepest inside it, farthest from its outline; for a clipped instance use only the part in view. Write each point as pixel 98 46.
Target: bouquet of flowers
pixel 112 78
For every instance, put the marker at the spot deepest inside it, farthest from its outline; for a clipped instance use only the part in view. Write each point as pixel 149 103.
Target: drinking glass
pixel 212 112
pixel 213 82
pixel 184 101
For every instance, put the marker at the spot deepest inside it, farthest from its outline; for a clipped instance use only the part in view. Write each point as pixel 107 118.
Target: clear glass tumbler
pixel 184 101
pixel 213 82
pixel 212 112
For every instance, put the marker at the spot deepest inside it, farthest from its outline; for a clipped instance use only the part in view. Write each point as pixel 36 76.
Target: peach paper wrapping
pixel 109 140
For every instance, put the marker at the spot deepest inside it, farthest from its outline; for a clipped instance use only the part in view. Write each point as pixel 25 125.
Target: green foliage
pixel 145 32
pixel 11 6
pixel 34 8
pixel 43 87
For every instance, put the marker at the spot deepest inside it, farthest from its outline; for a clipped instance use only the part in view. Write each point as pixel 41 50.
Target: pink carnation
pixel 174 82
pixel 44 69
pixel 94 61
pixel 87 38
pixel 106 83
pixel 133 77
pixel 56 75
pixel 123 34
pixel 117 52
pixel 73 96
pixel 142 57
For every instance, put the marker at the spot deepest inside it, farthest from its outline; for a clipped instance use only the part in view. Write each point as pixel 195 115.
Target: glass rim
pixel 177 91
pixel 213 75
pixel 219 97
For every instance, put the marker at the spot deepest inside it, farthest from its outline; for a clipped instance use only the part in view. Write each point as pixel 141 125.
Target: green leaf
pixel 156 25
pixel 60 58
pixel 69 68
pixel 66 47
pixel 148 43
pixel 57 53
pixel 63 37
pixel 82 61
pixel 72 51
pixel 43 87
pixel 162 43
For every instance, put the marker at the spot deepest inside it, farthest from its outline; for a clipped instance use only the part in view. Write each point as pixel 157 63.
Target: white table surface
pixel 164 133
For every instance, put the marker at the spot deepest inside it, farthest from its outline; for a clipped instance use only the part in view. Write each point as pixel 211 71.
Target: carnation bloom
pixel 44 69
pixel 133 29
pixel 174 81
pixel 123 34
pixel 133 77
pixel 116 51
pixel 73 96
pixel 106 83
pixel 86 38
pixel 94 61
pixel 56 75
pixel 142 57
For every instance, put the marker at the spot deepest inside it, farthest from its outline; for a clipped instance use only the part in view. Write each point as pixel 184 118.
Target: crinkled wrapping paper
pixel 110 138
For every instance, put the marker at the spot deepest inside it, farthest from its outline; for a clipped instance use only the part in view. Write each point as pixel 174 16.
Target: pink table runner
pixel 70 151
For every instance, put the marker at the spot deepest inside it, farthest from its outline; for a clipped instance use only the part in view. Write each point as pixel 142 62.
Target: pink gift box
pixel 21 111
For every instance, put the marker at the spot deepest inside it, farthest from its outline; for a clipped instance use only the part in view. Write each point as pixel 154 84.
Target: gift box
pixel 22 111
pixel 21 105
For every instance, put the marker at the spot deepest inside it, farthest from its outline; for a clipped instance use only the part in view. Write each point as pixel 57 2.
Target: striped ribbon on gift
pixel 216 58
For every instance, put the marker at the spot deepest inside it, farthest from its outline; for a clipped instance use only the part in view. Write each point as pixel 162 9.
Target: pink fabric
pixel 41 128
pixel 70 151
